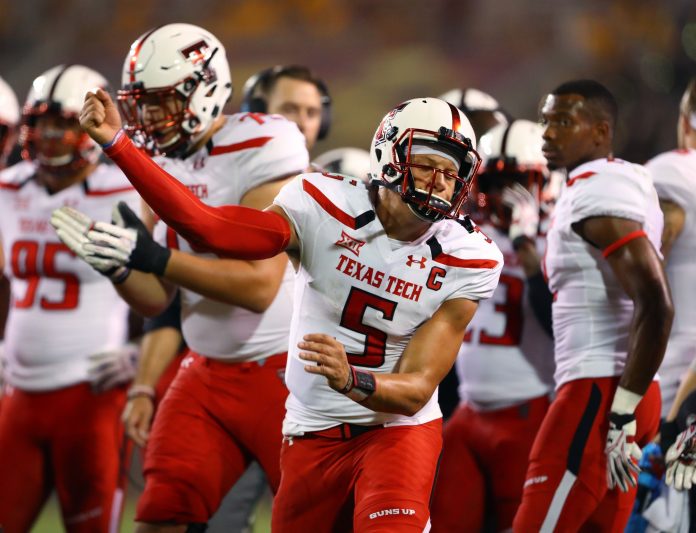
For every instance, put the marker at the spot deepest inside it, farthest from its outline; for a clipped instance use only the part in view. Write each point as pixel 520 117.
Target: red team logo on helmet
pixel 385 126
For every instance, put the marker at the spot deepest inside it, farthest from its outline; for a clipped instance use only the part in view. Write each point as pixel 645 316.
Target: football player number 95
pixel 375 340
pixel 31 261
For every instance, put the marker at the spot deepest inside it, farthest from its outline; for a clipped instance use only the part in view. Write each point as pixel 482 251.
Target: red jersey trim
pixel 449 260
pixel 107 192
pixel 10 186
pixel 582 176
pixel 256 142
pixel 623 241
pixel 335 211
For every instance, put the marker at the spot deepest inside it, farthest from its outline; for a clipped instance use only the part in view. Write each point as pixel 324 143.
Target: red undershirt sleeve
pixel 229 231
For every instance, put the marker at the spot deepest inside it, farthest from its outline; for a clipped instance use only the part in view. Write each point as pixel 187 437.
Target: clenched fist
pixel 99 116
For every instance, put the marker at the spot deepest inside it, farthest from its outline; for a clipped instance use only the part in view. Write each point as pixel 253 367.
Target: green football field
pixel 49 521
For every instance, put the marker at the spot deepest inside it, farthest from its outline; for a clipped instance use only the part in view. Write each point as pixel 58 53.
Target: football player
pixel 229 393
pixel 59 429
pixel 388 280
pixel 612 314
pixel 505 365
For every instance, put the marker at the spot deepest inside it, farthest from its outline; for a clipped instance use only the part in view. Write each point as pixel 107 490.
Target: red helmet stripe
pixel 456 119
pixel 136 52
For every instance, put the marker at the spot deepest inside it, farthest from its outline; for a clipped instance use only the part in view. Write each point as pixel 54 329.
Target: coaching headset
pixel 254 101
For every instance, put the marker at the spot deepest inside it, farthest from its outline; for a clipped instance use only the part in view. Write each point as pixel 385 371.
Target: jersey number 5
pixel 375 339
pixel 25 265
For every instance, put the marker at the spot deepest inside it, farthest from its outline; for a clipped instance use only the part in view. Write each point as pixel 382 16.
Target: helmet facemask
pixel 60 147
pixel 425 203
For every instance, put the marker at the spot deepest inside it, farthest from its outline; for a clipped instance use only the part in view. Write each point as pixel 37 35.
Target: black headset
pixel 254 102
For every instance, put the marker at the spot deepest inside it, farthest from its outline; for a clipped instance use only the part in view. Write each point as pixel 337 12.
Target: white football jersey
pixel 369 291
pixel 249 150
pixel 506 357
pixel 591 312
pixel 61 310
pixel 674 174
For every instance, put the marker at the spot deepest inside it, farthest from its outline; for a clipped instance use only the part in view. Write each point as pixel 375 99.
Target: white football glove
pixel 623 454
pixel 72 228
pixel 681 460
pixel 128 242
pixel 112 368
pixel 525 212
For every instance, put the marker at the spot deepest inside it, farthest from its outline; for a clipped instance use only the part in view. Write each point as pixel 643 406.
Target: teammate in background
pixel 612 314
pixel 347 161
pixel 294 92
pixel 385 274
pixel 59 429
pixel 9 122
pixel 229 393
pixel 482 110
pixel 674 174
pixel 505 365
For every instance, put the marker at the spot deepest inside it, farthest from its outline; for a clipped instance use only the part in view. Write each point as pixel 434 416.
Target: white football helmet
pixel 511 154
pixel 348 161
pixel 181 71
pixel 432 122
pixel 482 110
pixel 60 92
pixel 9 120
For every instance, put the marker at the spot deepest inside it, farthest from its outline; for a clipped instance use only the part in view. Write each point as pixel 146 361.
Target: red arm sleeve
pixel 230 231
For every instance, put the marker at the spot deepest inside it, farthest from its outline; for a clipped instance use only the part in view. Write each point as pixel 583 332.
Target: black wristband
pixel 160 258
pixel 668 434
pixel 365 381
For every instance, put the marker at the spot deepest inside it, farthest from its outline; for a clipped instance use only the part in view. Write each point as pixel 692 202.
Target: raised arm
pixel 229 231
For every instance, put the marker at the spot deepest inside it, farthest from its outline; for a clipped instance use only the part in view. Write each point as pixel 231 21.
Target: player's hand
pixel 330 358
pixel 99 116
pixel 137 418
pixel 623 454
pixel 681 460
pixel 112 368
pixel 525 212
pixel 72 227
pixel 127 242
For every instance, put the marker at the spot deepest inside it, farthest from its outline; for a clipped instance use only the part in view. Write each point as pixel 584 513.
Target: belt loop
pixel 345 431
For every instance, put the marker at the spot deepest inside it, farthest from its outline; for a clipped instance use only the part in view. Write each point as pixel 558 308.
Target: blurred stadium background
pixel 373 54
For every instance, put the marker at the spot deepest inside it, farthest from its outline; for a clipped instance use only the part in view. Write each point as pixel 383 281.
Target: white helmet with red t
pixel 60 92
pixel 9 119
pixel 428 124
pixel 175 83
